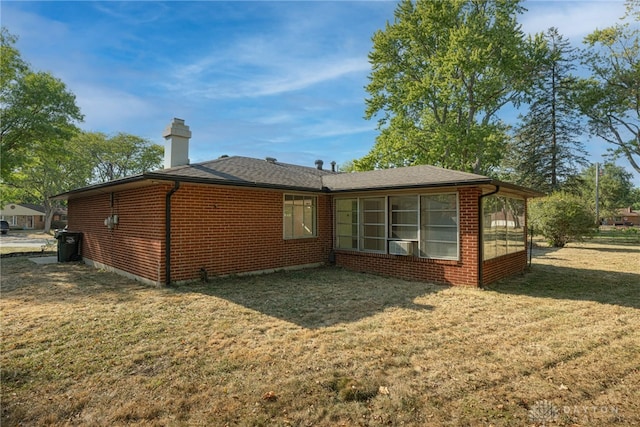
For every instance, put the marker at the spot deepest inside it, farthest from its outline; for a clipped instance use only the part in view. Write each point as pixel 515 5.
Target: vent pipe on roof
pixel 176 148
pixel 319 164
pixel 333 166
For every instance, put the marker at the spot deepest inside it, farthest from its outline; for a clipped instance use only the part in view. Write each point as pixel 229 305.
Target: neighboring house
pixel 241 215
pixel 625 216
pixel 23 216
pixel 27 216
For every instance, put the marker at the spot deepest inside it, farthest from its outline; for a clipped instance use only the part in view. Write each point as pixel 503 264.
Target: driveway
pixel 20 240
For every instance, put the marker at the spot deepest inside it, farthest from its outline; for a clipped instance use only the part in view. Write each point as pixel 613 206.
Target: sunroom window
pixel 373 224
pixel 403 211
pixel 503 230
pixel 429 221
pixel 347 224
pixel 439 226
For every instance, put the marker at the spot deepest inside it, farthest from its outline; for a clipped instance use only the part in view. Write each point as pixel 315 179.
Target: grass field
pixel 325 347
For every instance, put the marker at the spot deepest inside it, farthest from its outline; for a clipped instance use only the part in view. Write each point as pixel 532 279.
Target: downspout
pixel 480 234
pixel 167 232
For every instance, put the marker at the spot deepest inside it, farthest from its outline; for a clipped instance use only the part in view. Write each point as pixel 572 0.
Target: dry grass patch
pixel 324 347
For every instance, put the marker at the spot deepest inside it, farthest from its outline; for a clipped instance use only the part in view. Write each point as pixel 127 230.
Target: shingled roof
pixel 406 177
pixel 247 171
pixel 251 172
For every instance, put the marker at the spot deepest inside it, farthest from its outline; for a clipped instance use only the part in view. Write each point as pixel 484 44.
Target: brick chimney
pixel 176 147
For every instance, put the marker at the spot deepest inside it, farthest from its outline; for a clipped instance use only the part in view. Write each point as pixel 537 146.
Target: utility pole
pixel 597 193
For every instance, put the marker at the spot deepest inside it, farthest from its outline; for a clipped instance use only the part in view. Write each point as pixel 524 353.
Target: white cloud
pixel 132 13
pixel 574 19
pixel 237 79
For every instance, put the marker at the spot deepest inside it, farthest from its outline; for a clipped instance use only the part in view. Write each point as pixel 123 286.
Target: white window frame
pixel 418 241
pixel 457 241
pixel 362 224
pixel 392 224
pixel 292 219
pixel 338 224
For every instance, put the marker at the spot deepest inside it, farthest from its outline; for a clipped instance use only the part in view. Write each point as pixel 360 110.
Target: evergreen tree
pixel 546 150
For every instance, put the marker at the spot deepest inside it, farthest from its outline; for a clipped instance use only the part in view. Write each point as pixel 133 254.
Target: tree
pixel 615 189
pixel 440 73
pixel 635 198
pixel 35 107
pixel 561 218
pixel 50 169
pixel 118 156
pixel 610 98
pixel 545 151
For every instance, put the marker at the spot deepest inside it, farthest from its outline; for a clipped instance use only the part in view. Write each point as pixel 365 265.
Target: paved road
pixel 14 240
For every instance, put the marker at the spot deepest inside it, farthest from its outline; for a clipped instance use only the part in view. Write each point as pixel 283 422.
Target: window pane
pixel 374 244
pixel 373 217
pixel 439 226
pixel 373 224
pixel 404 232
pixel 403 203
pixel 503 222
pixel 447 234
pixel 441 217
pixel 347 205
pixel 442 250
pixel 346 217
pixel 347 230
pixel 347 242
pixel 439 202
pixel 373 231
pixel 404 218
pixel 373 204
pixel 299 214
pixel 347 223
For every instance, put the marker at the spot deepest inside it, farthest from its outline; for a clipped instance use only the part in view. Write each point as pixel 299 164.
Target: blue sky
pixel 279 79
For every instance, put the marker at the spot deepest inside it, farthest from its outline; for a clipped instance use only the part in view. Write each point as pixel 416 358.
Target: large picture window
pixel 299 216
pixel 503 226
pixel 430 222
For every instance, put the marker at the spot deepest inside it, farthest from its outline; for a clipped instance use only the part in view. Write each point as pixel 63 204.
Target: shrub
pixel 561 218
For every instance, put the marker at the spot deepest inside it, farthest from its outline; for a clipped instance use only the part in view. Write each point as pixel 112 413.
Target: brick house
pixel 27 216
pixel 237 215
pixel 625 216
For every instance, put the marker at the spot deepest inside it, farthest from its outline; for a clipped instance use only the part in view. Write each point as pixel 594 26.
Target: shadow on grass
pixel 547 281
pixel 624 248
pixel 62 282
pixel 316 298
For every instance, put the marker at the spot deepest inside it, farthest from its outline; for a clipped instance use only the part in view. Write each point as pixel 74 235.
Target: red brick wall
pixel 224 230
pixel 234 230
pixel 135 245
pixel 504 266
pixel 461 272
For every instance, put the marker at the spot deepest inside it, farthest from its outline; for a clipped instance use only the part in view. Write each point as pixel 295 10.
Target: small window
pixel 299 216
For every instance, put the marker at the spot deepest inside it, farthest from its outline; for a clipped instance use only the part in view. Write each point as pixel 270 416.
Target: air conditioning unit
pixel 400 247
